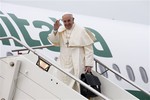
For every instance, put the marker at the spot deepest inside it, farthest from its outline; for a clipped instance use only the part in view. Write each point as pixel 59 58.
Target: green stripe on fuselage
pixel 139 94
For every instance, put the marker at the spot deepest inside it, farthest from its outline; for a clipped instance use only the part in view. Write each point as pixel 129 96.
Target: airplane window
pixel 143 74
pixel 103 70
pixel 116 68
pixel 130 73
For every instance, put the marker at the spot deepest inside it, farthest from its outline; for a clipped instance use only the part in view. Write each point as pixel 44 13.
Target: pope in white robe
pixel 76 49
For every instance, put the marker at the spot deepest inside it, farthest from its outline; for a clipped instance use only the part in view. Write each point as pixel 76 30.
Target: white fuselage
pixel 127 43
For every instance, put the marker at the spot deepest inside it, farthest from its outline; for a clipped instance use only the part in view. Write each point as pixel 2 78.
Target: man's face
pixel 68 21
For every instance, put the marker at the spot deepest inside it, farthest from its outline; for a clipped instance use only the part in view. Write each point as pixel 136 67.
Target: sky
pixel 136 11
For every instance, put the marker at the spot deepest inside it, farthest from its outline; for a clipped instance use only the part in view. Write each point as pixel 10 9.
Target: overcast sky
pixel 136 11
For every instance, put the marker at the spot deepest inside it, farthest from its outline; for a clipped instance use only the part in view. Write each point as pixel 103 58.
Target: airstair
pixel 31 77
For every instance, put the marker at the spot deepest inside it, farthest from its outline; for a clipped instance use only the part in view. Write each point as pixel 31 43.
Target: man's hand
pixel 56 25
pixel 88 69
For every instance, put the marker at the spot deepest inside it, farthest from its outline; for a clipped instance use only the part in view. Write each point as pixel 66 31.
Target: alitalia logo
pixel 22 25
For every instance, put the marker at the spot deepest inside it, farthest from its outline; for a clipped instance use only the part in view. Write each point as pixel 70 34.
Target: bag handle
pixel 89 73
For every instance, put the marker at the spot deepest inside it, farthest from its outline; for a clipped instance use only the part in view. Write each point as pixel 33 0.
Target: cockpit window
pixel 143 74
pixel 130 73
pixel 116 68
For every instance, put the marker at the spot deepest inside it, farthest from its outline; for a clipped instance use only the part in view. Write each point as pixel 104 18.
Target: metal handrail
pixel 96 60
pixel 35 47
pixel 56 66
pixel 127 80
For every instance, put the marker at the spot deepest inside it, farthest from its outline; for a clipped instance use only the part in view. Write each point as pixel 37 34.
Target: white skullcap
pixel 65 13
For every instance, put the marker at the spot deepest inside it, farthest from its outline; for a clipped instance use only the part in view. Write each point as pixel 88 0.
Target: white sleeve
pixel 89 55
pixel 54 38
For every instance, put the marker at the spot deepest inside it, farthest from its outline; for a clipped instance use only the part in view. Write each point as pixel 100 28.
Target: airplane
pixel 121 46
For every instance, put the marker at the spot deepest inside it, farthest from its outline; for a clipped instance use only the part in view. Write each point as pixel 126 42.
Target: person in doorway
pixel 76 49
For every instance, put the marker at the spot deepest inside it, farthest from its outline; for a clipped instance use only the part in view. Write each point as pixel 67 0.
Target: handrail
pixel 96 60
pixel 35 47
pixel 56 66
pixel 115 72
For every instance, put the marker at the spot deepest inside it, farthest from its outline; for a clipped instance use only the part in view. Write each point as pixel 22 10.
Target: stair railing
pixel 118 74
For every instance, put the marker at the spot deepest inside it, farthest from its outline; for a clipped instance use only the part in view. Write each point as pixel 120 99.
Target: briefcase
pixel 91 80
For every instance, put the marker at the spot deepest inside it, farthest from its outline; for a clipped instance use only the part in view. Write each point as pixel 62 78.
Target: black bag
pixel 91 80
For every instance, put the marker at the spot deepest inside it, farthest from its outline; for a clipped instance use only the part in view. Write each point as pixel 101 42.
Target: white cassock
pixel 76 52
